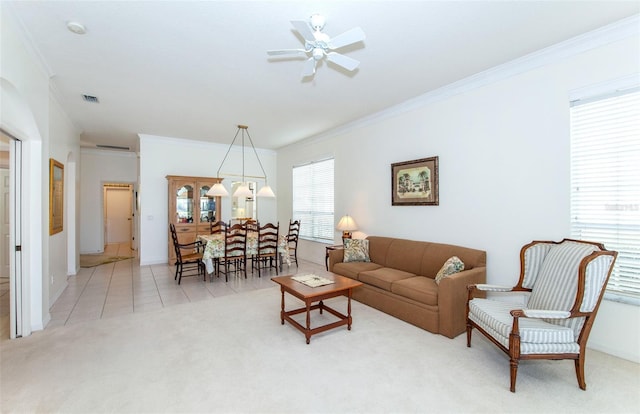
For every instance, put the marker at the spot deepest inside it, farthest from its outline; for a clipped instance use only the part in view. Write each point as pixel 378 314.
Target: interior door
pixel 118 214
pixel 5 225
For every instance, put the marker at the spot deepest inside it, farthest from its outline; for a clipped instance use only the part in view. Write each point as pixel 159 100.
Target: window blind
pixel 313 200
pixel 605 181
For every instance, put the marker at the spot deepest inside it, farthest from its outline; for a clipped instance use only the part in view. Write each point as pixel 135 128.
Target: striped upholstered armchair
pixel 564 282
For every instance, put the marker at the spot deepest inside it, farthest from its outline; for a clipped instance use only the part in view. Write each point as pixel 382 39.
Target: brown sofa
pixel 400 281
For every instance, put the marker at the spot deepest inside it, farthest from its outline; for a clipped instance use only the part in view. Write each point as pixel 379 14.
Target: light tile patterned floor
pixel 126 287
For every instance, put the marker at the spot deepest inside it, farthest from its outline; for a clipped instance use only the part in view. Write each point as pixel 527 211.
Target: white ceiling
pixel 197 69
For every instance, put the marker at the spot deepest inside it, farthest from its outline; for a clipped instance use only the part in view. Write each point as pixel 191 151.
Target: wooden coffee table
pixel 341 286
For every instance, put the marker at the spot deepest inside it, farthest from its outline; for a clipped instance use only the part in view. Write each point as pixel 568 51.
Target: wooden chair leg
pixel 514 373
pixel 579 364
pixel 469 329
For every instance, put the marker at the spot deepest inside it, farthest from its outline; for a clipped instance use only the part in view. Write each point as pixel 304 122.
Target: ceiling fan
pixel 318 45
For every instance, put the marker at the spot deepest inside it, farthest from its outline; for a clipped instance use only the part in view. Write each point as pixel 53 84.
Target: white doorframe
pixel 16 282
pixel 129 187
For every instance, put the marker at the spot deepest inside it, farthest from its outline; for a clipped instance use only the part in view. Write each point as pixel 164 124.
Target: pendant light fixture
pixel 243 190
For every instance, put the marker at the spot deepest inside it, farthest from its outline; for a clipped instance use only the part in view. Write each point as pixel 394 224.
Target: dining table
pixel 214 248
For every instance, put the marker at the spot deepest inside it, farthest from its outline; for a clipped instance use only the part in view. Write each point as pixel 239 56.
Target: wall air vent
pixel 89 98
pixel 113 147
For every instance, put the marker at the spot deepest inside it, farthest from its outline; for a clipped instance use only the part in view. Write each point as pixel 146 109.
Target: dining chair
pixel 252 225
pixel 292 240
pixel 235 245
pixel 187 262
pixel 267 254
pixel 217 227
pixel 563 284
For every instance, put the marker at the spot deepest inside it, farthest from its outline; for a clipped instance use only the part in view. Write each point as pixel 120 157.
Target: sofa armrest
pixel 452 300
pixel 335 256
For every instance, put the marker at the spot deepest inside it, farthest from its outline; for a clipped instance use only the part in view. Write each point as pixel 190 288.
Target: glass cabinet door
pixel 207 205
pixel 184 204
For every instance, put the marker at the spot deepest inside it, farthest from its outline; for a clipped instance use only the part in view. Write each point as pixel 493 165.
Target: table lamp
pixel 347 225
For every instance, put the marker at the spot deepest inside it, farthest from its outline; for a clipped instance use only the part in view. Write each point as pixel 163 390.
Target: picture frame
pixel 415 182
pixel 56 196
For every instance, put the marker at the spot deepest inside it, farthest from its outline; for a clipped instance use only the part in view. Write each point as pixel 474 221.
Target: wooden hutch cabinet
pixel 190 210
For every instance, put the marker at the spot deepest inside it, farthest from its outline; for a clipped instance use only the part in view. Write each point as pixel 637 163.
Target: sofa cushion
pixel 379 249
pixel 406 255
pixel 356 250
pixel 421 289
pixel 352 269
pixel 383 277
pixel 452 266
pixel 536 335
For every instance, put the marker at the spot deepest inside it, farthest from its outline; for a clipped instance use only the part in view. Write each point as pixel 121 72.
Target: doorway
pixel 118 214
pixel 10 251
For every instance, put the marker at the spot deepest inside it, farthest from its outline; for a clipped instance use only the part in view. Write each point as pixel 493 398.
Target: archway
pixel 26 280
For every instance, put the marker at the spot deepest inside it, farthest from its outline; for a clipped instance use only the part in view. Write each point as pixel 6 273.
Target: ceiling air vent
pixel 114 147
pixel 89 98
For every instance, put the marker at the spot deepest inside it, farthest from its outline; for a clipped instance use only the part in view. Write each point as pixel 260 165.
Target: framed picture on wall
pixel 56 196
pixel 415 183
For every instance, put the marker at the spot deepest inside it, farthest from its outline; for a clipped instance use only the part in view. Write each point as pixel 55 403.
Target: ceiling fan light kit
pixel 318 45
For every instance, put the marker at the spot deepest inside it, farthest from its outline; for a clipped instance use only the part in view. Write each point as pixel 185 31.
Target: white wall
pixel 63 146
pixel 98 167
pixel 31 113
pixel 503 147
pixel 162 156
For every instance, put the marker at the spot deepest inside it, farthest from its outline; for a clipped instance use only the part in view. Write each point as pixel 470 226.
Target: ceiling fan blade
pixel 342 60
pixel 304 29
pixel 309 67
pixel 349 37
pixel 299 52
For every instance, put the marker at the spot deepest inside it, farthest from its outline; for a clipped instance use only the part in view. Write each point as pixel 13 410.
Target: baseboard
pixel 613 351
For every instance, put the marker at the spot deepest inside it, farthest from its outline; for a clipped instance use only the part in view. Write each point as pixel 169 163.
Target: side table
pixel 328 248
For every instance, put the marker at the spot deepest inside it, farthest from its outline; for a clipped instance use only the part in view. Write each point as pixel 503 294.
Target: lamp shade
pixel 243 191
pixel 266 191
pixel 217 190
pixel 347 223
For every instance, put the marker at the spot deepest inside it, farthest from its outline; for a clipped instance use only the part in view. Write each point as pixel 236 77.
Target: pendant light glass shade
pixel 218 190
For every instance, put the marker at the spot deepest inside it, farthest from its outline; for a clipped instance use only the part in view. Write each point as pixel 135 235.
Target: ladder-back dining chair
pixel 217 227
pixel 187 261
pixel 267 255
pixel 292 240
pixel 235 245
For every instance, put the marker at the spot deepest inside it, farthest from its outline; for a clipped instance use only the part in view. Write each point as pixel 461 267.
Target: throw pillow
pixel 451 266
pixel 356 250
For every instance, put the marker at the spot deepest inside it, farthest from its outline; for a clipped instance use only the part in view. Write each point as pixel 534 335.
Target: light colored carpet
pixel 232 354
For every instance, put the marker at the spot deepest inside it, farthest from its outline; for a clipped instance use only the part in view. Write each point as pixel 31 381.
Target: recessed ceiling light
pixel 76 28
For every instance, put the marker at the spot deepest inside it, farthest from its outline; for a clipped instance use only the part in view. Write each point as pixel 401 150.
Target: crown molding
pixel 613 32
pixel 201 144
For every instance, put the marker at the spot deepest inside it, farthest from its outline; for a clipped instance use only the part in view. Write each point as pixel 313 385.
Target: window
pixel 313 200
pixel 605 183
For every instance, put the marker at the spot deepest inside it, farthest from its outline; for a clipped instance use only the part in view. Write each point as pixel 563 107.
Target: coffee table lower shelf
pixel 341 286
pixel 308 331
